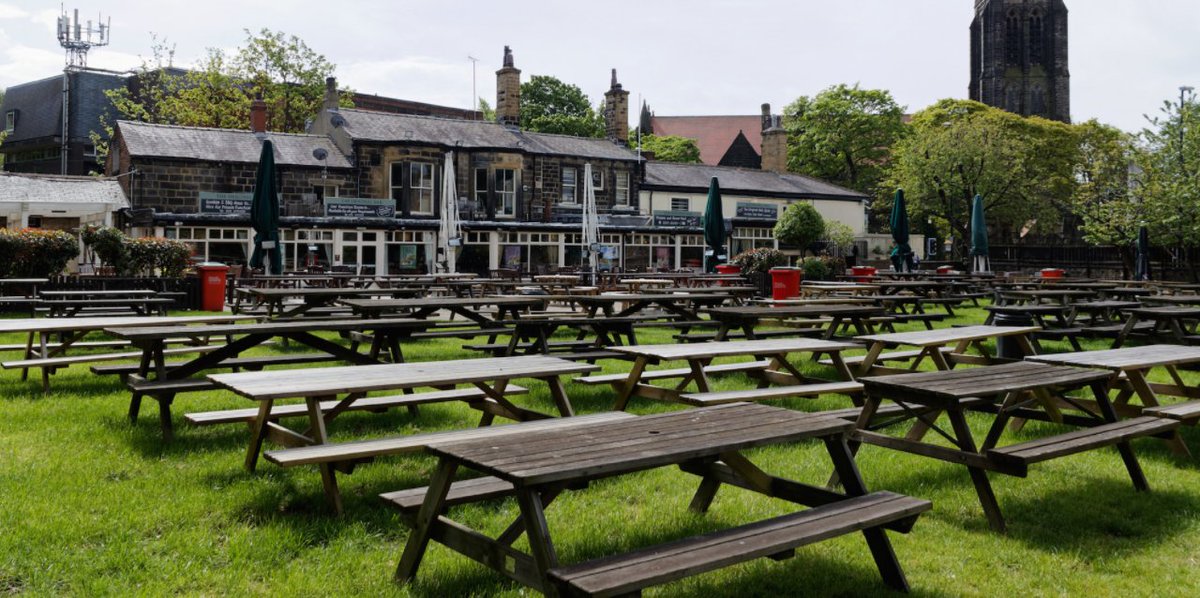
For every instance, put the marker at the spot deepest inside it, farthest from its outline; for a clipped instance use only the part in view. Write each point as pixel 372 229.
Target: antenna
pixel 474 94
pixel 77 39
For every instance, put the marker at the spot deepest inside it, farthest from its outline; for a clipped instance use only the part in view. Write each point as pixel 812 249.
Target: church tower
pixel 1019 57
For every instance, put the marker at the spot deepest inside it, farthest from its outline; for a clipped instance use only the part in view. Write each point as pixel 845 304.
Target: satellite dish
pixel 337 120
pixel 320 153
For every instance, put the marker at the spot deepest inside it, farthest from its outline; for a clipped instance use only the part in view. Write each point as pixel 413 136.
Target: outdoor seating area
pixel 588 401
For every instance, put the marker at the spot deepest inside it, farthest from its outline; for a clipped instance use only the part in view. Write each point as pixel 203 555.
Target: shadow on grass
pixel 1097 517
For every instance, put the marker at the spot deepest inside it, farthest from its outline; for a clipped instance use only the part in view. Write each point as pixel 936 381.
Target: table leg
pixel 631 382
pixel 560 396
pixel 418 540
pixel 538 534
pixel 258 431
pixel 1124 334
pixel 983 487
pixel 1141 386
pixel 317 432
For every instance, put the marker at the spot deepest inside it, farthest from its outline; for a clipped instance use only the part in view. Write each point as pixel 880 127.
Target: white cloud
pixel 8 11
pixel 418 78
pixel 21 64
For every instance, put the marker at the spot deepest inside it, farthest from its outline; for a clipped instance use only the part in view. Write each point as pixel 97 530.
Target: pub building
pixel 362 191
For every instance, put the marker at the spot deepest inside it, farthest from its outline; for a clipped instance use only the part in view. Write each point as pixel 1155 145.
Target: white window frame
pixel 573 185
pixel 621 189
pixel 396 184
pixel 598 179
pixel 421 197
pixel 10 121
pixel 506 198
pixel 687 204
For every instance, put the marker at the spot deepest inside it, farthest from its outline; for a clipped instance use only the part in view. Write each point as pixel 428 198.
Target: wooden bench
pixel 375 404
pixel 885 357
pixel 1187 412
pixel 66 360
pixel 250 363
pixel 1017 458
pixel 772 392
pixel 723 368
pixel 705 337
pixel 775 538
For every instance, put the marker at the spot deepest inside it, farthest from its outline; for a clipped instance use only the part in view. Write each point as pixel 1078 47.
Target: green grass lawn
pixel 90 505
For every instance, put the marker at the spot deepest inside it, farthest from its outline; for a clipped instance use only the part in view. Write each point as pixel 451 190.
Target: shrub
pixel 137 257
pixel 34 253
pixel 800 225
pixel 759 260
pixel 109 245
pixel 822 268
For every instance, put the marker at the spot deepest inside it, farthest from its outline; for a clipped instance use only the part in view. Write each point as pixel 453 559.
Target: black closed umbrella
pixel 1141 265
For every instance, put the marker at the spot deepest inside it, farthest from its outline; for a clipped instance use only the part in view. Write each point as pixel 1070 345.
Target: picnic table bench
pixel 771 366
pixel 347 385
pixel 930 344
pixel 163 382
pixel 748 318
pixel 532 335
pixel 467 307
pixel 536 466
pixel 1024 390
pixel 684 306
pixel 275 299
pixel 103 302
pixel 1176 324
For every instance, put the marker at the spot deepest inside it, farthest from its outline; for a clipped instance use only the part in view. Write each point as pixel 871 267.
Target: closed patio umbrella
pixel 902 254
pixel 713 223
pixel 264 214
pixel 1141 268
pixel 449 225
pixel 591 223
pixel 979 238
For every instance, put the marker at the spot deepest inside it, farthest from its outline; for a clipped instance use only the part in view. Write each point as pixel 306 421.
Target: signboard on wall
pixel 212 202
pixel 360 207
pixel 757 211
pixel 677 219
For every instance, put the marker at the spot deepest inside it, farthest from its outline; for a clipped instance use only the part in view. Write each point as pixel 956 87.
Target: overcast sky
pixel 681 56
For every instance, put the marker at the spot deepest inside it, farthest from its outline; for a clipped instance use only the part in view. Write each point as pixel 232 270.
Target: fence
pixel 1166 263
pixel 189 285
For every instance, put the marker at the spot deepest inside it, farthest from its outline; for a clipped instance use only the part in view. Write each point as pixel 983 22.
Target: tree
pixel 1103 199
pixel 669 148
pixel 843 135
pixel 801 225
pixel 1170 175
pixel 548 105
pixel 1023 168
pixel 485 109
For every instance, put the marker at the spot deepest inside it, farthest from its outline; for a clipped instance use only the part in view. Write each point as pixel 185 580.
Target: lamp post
pixel 1183 91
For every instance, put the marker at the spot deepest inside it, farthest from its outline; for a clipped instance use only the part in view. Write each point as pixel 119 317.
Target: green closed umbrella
pixel 713 223
pixel 264 214
pixel 979 238
pixel 902 254
pixel 1141 267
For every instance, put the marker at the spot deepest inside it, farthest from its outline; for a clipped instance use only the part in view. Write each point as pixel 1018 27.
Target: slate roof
pixel 225 145
pixel 365 125
pixel 43 188
pixel 39 105
pixel 695 177
pixel 713 134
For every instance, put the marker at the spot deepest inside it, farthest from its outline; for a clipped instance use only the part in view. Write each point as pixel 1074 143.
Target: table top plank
pixel 793 311
pixel 162 332
pixel 382 304
pixel 943 336
pixel 1147 356
pixel 983 381
pixel 282 384
pixel 101 323
pixel 680 351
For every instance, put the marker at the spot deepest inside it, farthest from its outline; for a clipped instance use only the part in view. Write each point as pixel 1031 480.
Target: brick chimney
pixel 616 112
pixel 258 114
pixel 774 142
pixel 508 92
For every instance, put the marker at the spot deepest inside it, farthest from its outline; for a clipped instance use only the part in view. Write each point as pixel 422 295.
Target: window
pixel 568 185
pixel 89 151
pixel 598 180
pixel 396 184
pixel 1035 37
pixel 481 190
pixel 420 185
pixel 1012 38
pixel 10 121
pixel 679 204
pixel 506 192
pixel 621 188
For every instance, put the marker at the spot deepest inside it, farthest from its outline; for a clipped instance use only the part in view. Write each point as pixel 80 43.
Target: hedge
pixel 35 253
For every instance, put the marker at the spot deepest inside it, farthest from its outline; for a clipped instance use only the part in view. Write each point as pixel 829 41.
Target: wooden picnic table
pixel 141 302
pixel 635 284
pixel 747 319
pixel 345 385
pixel 1044 294
pixel 467 307
pixel 934 345
pixel 536 466
pixel 532 335
pixel 1132 366
pixel 317 297
pixel 933 288
pixel 1174 323
pixel 41 346
pixel 684 306
pixel 771 366
pixel 817 289
pixel 1024 390
pixel 162 381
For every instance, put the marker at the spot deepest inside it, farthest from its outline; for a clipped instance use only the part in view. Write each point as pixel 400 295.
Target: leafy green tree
pixel 1170 167
pixel 548 105
pixel 1109 211
pixel 801 225
pixel 843 135
pixel 484 108
pixel 669 148
pixel 1023 167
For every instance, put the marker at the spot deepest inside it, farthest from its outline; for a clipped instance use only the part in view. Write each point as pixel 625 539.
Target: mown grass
pixel 91 505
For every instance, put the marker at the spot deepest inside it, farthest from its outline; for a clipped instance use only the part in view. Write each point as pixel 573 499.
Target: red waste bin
pixel 1053 273
pixel 212 286
pixel 727 269
pixel 785 282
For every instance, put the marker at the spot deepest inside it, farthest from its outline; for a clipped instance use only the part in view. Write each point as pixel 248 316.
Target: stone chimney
pixel 508 92
pixel 616 112
pixel 258 114
pixel 332 98
pixel 774 142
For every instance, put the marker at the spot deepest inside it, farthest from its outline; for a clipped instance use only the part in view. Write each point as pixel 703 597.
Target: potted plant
pixel 756 265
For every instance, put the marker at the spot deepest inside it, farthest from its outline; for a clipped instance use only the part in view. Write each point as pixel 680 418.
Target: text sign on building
pixel 677 219
pixel 757 211
pixel 225 203
pixel 360 207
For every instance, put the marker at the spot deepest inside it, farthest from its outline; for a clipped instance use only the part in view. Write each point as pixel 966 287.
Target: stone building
pixel 1019 57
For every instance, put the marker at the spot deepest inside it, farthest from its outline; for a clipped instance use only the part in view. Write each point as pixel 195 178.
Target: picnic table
pixel 634 285
pixel 1044 294
pixel 537 466
pixel 71 303
pixel 1132 367
pixel 1024 390
pixel 771 366
pixel 328 392
pixel 467 307
pixel 1176 323
pixel 684 306
pixel 312 298
pixel 747 319
pixel 936 346
pixel 817 289
pixel 41 351
pixel 26 292
pixel 162 381
pixel 532 335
